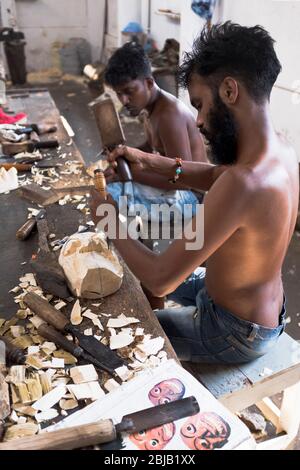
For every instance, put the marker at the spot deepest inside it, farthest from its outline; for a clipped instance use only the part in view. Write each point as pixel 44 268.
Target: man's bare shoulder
pixel 172 108
pixel 237 178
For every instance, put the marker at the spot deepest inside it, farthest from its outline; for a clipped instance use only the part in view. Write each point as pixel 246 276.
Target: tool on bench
pixel 105 430
pixel 49 333
pixel 27 146
pixel 108 359
pixel 13 355
pixel 27 166
pixel 40 129
pixel 25 231
pixel 111 132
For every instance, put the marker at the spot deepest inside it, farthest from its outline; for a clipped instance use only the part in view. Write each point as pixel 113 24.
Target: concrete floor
pixel 72 100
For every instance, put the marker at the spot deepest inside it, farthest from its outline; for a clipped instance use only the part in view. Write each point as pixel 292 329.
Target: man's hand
pixel 135 157
pixel 111 176
pixel 96 200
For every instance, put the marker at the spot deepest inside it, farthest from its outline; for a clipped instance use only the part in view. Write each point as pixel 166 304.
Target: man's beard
pixel 222 134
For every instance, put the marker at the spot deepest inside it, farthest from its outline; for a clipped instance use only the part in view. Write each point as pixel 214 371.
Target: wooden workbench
pixel 63 221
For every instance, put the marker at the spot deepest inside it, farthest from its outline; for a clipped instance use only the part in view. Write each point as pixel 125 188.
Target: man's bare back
pixel 244 274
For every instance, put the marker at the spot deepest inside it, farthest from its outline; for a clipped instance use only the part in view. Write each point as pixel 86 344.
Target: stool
pixel 240 386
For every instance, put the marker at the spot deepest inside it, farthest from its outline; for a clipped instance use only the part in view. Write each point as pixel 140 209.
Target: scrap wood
pixel 83 374
pixel 20 430
pixel 50 399
pixel 91 390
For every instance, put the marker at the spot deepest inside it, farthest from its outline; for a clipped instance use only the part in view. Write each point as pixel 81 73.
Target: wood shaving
pixel 121 321
pixel 76 318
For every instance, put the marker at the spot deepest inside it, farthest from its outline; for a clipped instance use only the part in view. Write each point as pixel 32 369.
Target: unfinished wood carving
pixel 92 270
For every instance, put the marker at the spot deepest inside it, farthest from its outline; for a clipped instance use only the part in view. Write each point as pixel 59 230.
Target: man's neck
pixel 256 133
pixel 156 92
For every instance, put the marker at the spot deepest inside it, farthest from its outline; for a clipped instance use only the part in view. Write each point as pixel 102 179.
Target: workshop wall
pixel 47 21
pixel 278 17
pixel 281 19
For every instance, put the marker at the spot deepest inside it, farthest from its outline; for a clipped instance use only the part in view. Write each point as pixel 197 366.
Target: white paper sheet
pixel 213 428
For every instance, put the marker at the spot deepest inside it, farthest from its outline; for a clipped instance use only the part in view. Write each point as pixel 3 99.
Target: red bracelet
pixel 178 171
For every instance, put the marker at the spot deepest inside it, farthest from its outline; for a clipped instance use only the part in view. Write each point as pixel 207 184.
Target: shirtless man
pixel 169 124
pixel 235 311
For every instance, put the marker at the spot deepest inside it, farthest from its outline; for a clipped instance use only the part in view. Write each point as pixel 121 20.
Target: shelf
pixel 172 15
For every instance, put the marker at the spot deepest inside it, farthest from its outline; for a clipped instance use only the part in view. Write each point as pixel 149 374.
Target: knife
pixel 24 232
pixel 49 333
pixel 105 431
pixel 108 359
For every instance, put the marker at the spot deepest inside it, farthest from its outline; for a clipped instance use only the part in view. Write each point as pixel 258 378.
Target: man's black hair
pixel 229 49
pixel 128 63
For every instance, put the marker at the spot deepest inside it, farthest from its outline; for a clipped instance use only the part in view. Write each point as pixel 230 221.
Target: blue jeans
pixel 184 202
pixel 203 332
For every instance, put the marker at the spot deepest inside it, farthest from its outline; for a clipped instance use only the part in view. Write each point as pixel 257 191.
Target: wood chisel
pixel 105 431
pixel 108 359
pixel 13 355
pixel 49 333
pixel 12 149
pixel 25 231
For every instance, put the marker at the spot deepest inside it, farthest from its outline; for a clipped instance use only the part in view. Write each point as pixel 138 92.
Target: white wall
pixel 47 21
pixel 281 19
pixel 162 27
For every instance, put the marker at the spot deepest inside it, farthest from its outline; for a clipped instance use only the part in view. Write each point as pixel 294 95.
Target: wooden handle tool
pixel 26 229
pixel 100 183
pixel 13 355
pixel 66 439
pixel 45 311
pixel 24 232
pixel 49 333
pixel 106 431
pixel 17 166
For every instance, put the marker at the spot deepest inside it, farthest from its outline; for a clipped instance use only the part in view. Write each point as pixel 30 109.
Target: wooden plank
pixel 241 386
pixel 285 354
pixel 220 380
pixel 247 396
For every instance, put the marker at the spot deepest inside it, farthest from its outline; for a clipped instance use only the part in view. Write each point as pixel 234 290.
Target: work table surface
pixel 63 221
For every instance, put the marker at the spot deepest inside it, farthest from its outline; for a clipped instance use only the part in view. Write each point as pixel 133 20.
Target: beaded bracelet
pixel 178 172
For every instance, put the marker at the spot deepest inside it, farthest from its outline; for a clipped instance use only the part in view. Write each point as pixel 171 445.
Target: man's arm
pixel 224 214
pixel 173 134
pixel 196 175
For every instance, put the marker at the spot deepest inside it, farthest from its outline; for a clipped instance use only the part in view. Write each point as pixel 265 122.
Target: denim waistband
pixel 243 326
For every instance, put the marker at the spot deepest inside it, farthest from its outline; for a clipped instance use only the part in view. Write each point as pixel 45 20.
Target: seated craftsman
pixel 170 126
pixel 235 310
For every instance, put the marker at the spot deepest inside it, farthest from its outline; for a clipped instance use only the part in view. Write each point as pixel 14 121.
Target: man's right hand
pixel 135 157
pixel 111 175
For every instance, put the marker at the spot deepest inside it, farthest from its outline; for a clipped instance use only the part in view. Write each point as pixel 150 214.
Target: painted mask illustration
pixel 166 392
pixel 154 439
pixel 205 431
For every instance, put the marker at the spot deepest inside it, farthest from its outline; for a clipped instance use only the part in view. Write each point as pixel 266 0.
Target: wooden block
pixel 4 398
pixel 90 390
pixel 23 393
pixel 35 193
pixel 34 388
pixel 83 374
pixel 45 383
pixel 17 374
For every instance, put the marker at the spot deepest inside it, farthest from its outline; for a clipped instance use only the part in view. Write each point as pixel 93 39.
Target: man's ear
pixel 229 91
pixel 150 83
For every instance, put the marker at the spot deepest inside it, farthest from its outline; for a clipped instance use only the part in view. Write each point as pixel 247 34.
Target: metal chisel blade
pixel 103 354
